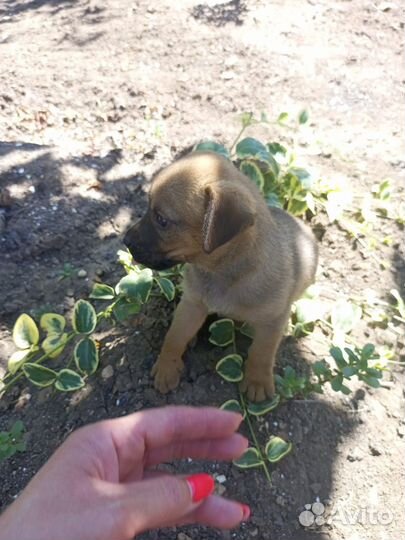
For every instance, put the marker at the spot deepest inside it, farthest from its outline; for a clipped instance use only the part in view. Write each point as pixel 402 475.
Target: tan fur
pixel 245 261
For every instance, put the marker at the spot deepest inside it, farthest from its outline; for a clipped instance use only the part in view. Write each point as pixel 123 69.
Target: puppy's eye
pixel 161 221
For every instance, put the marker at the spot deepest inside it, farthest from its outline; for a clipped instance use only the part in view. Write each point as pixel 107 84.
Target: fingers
pixel 170 424
pixel 218 512
pixel 161 500
pixel 225 449
pixel 137 435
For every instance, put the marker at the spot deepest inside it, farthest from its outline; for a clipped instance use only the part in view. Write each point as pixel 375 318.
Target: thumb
pixel 164 500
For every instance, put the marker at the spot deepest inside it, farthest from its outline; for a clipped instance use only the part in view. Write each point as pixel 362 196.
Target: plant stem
pixel 38 361
pixel 253 434
pixel 244 126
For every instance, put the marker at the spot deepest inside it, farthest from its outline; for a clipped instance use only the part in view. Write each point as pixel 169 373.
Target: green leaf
pixel 252 148
pixel 247 119
pixel 102 291
pixel 251 458
pixel 25 332
pixel 52 342
pixel 167 287
pixel 52 323
pixel 282 118
pixel 344 317
pixel 305 178
pixel 349 371
pixel 246 330
pixel 345 389
pixel 68 381
pixel 264 407
pixel 124 309
pixel 337 382
pixel 272 199
pixel 84 317
pixel 212 146
pixel 222 332
pixel 39 375
pixel 276 449
pixel 375 372
pixel 136 286
pixel 303 117
pixel 297 207
pixel 367 351
pixel 86 356
pixel 252 171
pixel 309 310
pixel 371 381
pixel 337 355
pixel 352 355
pixel 321 367
pixel 276 148
pixel 233 405
pixel 230 368
pixel 17 359
pixel 125 258
pixel 17 429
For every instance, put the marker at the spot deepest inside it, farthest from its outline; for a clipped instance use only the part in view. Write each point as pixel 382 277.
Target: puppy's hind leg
pixel 258 382
pixel 188 319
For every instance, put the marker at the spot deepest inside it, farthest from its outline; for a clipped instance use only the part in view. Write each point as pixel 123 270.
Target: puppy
pixel 244 260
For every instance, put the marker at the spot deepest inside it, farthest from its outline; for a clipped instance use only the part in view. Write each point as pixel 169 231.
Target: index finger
pixel 137 435
pixel 162 426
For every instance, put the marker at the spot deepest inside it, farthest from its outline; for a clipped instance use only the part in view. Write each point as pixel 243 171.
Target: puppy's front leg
pixel 258 381
pixel 188 319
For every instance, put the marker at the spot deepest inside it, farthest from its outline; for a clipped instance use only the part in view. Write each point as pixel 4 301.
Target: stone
pixel 354 454
pixel 375 448
pixel 220 489
pixel 82 273
pixel 107 372
pixel 280 500
pixel 183 536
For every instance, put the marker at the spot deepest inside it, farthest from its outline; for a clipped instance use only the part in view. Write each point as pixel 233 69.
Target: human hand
pixel 98 484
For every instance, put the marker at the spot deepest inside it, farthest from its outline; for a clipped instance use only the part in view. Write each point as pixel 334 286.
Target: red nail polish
pixel 246 512
pixel 201 486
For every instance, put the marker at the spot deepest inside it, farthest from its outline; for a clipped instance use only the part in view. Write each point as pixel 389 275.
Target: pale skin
pixel 100 484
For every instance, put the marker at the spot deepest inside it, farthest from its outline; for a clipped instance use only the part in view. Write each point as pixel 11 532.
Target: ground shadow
pixel 220 14
pixel 11 8
pixel 35 244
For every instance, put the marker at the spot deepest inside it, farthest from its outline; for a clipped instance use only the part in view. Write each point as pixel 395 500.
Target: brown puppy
pixel 245 260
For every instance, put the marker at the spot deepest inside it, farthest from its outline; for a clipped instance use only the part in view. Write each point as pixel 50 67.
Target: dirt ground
pixel 94 96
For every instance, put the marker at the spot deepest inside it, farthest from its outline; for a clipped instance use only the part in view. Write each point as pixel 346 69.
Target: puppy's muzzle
pixel 143 243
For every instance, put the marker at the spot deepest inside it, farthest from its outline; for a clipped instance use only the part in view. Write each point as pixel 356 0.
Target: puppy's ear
pixel 228 212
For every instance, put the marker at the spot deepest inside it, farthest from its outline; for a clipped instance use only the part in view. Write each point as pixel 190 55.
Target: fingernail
pixel 201 486
pixel 246 512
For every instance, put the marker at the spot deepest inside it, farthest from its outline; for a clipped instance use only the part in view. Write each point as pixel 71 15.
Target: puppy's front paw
pixel 258 389
pixel 167 374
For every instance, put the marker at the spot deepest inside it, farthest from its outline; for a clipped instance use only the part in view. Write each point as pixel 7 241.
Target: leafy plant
pixel 230 368
pixel 68 271
pixel 46 343
pixel 12 441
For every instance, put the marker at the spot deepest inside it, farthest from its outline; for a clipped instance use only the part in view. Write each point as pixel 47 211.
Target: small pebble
pixel 220 489
pixel 107 372
pixel 221 478
pixel 82 273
